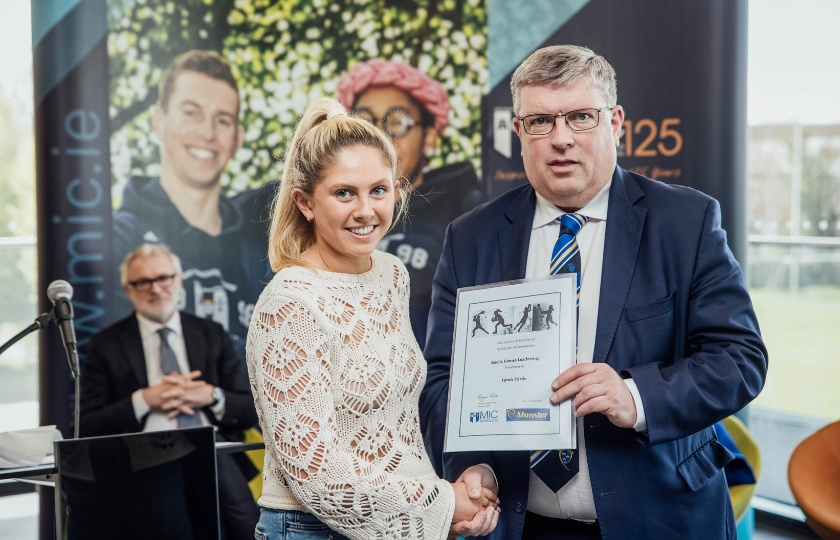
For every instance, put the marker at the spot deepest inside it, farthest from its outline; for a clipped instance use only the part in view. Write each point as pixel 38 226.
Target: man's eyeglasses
pixel 396 122
pixel 145 285
pixel 579 120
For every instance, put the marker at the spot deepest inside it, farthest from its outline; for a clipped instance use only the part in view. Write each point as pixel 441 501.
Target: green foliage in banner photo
pixel 285 54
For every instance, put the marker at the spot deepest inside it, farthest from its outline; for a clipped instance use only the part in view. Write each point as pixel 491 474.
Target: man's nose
pixel 562 135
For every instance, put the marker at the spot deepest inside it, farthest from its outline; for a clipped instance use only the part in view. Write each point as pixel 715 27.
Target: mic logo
pixel 484 416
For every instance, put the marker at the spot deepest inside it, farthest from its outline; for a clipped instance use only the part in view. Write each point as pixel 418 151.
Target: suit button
pixel 518 508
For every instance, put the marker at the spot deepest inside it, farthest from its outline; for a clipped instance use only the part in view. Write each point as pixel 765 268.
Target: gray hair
pixel 563 65
pixel 145 251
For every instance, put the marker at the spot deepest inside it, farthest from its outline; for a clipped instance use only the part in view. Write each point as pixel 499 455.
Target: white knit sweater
pixel 336 375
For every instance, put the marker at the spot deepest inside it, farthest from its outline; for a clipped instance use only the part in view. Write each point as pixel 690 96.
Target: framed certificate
pixel 511 340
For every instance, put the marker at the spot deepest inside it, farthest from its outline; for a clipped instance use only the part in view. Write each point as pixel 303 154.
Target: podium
pixel 158 484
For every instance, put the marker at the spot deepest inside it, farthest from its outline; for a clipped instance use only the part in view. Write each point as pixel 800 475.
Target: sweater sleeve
pixel 348 480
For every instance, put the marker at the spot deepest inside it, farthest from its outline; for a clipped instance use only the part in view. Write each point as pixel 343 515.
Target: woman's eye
pixel 342 193
pixel 379 191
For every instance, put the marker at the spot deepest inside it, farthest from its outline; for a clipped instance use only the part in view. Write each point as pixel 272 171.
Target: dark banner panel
pixel 681 70
pixel 73 189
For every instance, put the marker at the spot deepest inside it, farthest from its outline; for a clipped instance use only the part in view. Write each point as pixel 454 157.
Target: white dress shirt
pixel 575 499
pixel 157 421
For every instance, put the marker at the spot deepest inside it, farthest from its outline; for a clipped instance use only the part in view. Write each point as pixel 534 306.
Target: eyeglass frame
pixel 565 119
pixel 382 121
pixel 145 285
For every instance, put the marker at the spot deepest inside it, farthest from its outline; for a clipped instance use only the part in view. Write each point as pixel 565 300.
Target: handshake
pixel 476 502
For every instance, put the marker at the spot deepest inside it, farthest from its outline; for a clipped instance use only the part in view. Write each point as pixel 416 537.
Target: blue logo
pixel 484 416
pixel 528 415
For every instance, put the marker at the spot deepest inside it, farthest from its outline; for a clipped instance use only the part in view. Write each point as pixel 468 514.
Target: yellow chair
pixel 814 478
pixel 256 457
pixel 742 495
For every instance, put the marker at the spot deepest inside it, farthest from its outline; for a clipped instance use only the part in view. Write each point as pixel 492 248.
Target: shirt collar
pixel 149 327
pixel 546 212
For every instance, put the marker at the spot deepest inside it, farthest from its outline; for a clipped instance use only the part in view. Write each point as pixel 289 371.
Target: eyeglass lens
pixel 146 284
pixel 396 122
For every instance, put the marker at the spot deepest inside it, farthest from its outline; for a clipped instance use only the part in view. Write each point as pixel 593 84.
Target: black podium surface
pixel 159 484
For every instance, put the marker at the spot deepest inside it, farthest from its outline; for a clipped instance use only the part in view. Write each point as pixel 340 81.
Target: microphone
pixel 60 292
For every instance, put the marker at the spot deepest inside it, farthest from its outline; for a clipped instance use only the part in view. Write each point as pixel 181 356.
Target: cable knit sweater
pixel 336 375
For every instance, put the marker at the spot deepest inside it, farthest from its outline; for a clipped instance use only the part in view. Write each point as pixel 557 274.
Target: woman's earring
pixel 429 152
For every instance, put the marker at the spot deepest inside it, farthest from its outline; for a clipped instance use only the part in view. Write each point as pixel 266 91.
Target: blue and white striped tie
pixel 556 467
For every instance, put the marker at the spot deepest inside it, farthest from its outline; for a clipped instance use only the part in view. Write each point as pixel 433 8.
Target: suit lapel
pixel 132 345
pixel 625 223
pixel 196 346
pixel 515 235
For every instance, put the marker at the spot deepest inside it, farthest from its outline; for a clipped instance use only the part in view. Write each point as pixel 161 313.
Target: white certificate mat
pixel 511 340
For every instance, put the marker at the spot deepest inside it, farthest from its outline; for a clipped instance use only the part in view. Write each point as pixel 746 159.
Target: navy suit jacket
pixel 115 367
pixel 674 315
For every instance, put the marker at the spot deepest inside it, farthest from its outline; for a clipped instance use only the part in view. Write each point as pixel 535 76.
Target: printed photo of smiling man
pixel 196 122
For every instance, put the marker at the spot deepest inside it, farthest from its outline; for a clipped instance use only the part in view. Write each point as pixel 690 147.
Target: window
pixel 793 269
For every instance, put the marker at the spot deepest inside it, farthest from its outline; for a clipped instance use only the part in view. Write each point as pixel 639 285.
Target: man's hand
pixel 597 388
pixel 177 393
pixel 479 482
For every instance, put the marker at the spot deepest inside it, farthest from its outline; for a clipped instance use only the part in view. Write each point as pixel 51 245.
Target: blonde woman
pixel 335 370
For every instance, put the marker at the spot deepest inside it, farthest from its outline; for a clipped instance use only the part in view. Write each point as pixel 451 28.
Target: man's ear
pixel 158 118
pixel 517 126
pixel 616 121
pixel 240 137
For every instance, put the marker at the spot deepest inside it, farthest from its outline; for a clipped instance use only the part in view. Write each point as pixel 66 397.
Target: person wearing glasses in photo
pixel 668 341
pixel 219 239
pixel 335 370
pixel 413 110
pixel 161 369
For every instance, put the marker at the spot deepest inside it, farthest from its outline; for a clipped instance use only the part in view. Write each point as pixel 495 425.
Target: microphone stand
pixel 42 321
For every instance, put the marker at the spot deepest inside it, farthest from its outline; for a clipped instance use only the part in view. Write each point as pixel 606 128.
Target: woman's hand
pixel 476 502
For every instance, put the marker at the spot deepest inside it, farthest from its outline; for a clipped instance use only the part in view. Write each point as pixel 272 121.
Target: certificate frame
pixel 499 383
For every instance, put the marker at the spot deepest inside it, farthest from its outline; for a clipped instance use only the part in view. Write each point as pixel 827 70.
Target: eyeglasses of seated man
pixel 145 285
pixel 578 120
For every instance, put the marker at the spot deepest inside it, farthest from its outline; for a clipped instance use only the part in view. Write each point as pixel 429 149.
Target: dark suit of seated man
pixel 138 377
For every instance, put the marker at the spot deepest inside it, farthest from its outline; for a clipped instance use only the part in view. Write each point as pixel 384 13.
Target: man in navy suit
pixel 126 386
pixel 668 342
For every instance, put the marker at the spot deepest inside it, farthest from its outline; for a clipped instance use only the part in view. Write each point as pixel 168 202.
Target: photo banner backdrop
pixel 98 64
pixel 681 71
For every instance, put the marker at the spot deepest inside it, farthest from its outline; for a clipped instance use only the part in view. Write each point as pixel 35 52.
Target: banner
pixel 681 71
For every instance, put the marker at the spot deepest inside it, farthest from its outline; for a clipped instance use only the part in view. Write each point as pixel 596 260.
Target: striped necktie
pixel 168 364
pixel 556 467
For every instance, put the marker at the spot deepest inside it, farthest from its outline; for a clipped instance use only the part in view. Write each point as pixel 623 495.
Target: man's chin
pixel 159 315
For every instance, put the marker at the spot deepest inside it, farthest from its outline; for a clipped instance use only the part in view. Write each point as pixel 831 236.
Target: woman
pixel 335 370
pixel 413 110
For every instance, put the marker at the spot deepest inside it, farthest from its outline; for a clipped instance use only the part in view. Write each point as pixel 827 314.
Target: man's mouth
pixel 201 153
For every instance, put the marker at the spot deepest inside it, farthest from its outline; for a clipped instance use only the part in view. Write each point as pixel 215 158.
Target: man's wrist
pixel 216 396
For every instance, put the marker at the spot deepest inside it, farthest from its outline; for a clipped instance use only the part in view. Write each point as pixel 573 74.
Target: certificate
pixel 511 340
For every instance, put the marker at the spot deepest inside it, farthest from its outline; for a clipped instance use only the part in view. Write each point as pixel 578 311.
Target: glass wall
pixel 794 225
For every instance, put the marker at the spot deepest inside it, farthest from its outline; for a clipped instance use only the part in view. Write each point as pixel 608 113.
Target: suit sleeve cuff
pixel 641 423
pixel 141 408
pixel 218 408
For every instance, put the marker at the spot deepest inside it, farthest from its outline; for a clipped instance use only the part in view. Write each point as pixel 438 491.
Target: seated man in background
pixel 161 369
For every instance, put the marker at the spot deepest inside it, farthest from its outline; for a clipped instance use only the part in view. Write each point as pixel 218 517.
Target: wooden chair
pixel 814 478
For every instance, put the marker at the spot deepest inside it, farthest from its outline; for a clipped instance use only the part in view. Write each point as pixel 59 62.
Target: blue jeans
pixel 292 525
